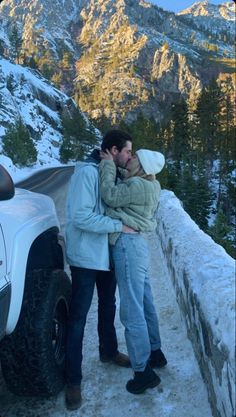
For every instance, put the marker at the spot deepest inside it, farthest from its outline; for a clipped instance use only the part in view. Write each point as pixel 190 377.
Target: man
pixel 87 250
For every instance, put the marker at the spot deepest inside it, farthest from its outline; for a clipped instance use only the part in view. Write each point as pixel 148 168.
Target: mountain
pixel 26 95
pixel 207 12
pixel 137 57
pixel 121 57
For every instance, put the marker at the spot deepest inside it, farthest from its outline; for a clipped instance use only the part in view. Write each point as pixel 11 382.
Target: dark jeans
pixel 83 283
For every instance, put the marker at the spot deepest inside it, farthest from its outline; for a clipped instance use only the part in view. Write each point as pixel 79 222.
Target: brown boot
pixel 120 359
pixel 73 397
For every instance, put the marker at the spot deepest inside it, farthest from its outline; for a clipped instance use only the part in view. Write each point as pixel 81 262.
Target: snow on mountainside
pixel 211 17
pixel 142 58
pixel 43 22
pixel 121 57
pixel 204 8
pixel 25 94
pixel 53 15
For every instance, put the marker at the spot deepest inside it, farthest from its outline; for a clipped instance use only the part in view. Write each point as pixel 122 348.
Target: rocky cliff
pixel 123 56
pixel 26 95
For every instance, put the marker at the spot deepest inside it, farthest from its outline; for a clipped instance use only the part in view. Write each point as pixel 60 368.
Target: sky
pixel 176 6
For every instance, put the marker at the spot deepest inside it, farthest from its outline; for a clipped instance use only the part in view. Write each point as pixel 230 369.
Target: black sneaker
pixel 157 359
pixel 143 380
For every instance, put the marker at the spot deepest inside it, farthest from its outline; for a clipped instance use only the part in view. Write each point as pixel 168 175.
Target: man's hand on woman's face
pixel 106 155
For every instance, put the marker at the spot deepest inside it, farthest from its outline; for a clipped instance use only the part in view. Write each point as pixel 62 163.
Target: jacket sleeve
pixel 82 204
pixel 116 195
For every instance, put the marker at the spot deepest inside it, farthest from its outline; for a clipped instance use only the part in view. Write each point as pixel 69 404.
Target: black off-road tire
pixel 33 356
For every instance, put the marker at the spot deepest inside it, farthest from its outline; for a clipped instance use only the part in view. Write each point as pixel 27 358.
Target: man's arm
pixel 83 203
pixel 116 195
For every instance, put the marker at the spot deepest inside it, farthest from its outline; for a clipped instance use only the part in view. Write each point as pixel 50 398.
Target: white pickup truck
pixel 34 292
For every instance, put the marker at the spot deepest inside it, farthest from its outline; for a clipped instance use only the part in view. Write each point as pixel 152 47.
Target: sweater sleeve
pixel 116 195
pixel 82 204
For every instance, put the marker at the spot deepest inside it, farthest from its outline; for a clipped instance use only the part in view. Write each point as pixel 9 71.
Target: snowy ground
pixel 181 393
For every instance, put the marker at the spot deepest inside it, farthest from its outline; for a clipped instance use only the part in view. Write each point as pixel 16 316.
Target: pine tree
pixel 66 62
pixel 226 195
pixel 229 202
pixel 47 70
pixel 57 79
pixel 222 233
pixel 18 145
pixel 227 120
pixel 180 141
pixel 78 137
pixel 1 48
pixel 16 43
pixel 103 124
pixel 46 63
pixel 165 138
pixel 207 112
pixel 10 83
pixel 31 62
pixel 202 202
pixel 144 131
pixel 195 195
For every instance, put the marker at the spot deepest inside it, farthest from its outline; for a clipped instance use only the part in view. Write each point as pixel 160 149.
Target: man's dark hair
pixel 115 137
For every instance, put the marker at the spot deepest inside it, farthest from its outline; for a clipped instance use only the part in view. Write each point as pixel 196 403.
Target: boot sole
pixel 151 384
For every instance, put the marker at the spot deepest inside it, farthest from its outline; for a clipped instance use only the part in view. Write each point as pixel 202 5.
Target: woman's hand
pixel 127 229
pixel 106 155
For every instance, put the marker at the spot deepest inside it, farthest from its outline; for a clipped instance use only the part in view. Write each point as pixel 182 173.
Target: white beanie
pixel 152 162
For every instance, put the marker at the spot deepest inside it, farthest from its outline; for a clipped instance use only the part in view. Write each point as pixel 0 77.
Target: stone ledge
pixel 203 275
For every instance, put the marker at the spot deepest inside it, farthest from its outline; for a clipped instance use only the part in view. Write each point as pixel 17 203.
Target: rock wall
pixel 203 275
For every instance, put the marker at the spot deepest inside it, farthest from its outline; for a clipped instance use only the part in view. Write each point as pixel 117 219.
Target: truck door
pixel 5 288
pixel 3 265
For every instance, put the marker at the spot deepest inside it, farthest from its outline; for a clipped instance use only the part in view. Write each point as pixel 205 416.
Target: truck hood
pixel 24 217
pixel 24 207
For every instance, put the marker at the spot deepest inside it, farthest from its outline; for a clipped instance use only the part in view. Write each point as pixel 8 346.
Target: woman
pixel 134 202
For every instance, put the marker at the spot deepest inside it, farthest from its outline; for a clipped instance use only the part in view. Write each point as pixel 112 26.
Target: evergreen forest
pixel 197 138
pixel 198 141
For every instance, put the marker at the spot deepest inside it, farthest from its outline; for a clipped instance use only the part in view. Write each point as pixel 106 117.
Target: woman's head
pixel 134 167
pixel 145 163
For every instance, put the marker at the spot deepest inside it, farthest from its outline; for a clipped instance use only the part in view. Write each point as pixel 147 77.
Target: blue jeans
pixel 137 311
pixel 83 283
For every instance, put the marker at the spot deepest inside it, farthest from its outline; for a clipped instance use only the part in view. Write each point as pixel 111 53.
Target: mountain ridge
pixel 124 56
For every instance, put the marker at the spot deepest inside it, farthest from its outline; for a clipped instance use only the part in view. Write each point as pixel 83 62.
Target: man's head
pixel 119 144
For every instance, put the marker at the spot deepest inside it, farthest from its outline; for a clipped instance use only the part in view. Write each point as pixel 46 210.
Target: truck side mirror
pixel 7 188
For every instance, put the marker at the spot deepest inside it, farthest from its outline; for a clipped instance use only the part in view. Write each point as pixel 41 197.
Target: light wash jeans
pixel 137 311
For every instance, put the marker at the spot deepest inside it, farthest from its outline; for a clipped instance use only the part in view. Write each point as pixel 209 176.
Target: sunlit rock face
pixel 125 56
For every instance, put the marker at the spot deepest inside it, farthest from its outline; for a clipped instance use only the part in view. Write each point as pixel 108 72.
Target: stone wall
pixel 203 275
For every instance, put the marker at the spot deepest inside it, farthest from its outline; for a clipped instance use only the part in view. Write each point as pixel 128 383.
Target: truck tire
pixel 33 356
